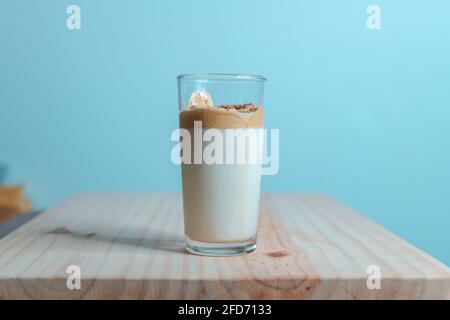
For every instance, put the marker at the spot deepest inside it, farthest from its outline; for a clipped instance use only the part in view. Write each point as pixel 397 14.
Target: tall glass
pixel 221 137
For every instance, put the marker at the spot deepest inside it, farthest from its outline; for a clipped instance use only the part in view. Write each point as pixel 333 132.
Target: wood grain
pixel 130 246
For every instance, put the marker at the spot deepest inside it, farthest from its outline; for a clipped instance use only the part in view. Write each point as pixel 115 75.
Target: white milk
pixel 221 201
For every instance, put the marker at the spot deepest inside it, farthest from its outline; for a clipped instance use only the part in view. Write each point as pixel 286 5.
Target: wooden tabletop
pixel 130 246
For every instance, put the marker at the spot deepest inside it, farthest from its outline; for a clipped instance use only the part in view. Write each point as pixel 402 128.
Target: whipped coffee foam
pixel 232 116
pixel 200 99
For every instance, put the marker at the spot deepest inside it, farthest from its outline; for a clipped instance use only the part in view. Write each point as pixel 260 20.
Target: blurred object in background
pixel 3 171
pixel 13 202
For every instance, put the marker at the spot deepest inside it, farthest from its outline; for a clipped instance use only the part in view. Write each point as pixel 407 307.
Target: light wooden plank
pixel 130 246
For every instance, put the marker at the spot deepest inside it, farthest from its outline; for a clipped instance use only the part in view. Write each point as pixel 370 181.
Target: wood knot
pixel 64 230
pixel 278 254
pixel 61 230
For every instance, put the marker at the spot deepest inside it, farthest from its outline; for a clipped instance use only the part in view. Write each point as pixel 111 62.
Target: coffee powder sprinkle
pixel 246 108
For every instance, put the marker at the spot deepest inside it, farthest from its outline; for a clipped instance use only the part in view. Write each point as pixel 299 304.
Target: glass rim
pixel 221 76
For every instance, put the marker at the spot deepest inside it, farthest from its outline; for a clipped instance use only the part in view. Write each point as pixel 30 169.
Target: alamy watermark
pixel 374 19
pixel 374 278
pixel 242 146
pixel 74 277
pixel 73 21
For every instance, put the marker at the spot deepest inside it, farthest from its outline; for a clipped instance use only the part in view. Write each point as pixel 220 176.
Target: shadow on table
pixel 155 240
pixel 14 223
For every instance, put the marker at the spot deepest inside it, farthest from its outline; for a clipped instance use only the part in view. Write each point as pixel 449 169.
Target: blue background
pixel 364 115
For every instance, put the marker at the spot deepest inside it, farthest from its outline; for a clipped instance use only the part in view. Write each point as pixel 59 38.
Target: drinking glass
pixel 221 117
